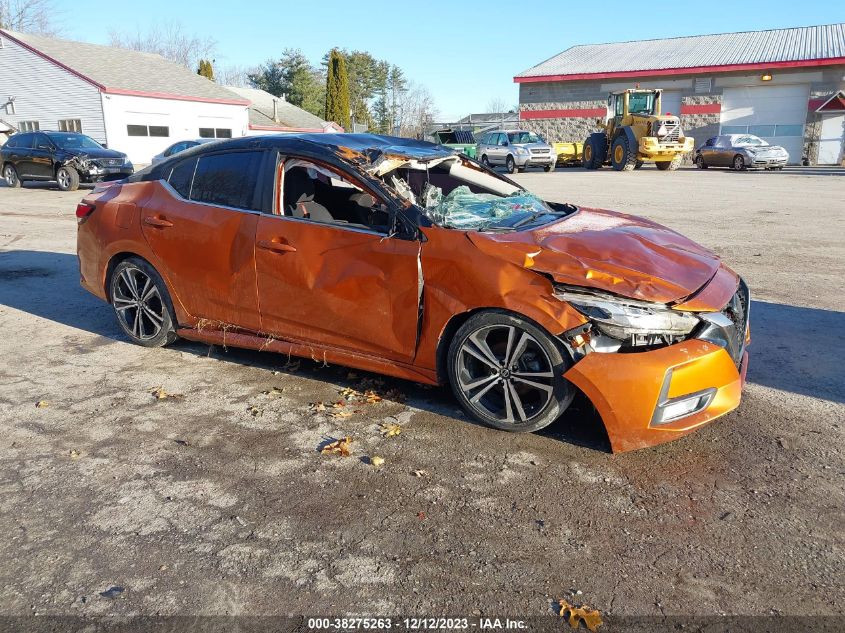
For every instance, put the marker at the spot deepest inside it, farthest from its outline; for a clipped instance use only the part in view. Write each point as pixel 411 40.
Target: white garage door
pixel 670 102
pixel 774 113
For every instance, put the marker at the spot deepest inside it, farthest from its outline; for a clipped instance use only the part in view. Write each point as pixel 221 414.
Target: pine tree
pixel 206 69
pixel 337 90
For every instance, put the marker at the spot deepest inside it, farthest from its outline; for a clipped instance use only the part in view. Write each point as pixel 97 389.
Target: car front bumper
pixel 767 162
pixel 631 391
pixel 100 174
pixel 535 160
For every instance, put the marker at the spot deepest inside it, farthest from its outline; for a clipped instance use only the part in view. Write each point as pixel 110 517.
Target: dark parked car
pixel 66 157
pixel 180 146
pixel 740 151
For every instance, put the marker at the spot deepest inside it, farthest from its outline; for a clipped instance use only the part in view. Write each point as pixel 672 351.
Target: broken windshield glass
pixel 462 209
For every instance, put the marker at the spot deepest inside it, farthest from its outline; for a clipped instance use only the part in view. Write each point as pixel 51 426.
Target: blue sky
pixel 465 53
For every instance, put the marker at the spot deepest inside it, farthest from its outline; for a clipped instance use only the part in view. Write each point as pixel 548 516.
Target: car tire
pixel 524 395
pixel 548 168
pixel 699 162
pixel 639 164
pixel 67 178
pixel 510 164
pixel 739 163
pixel 485 161
pixel 670 165
pixel 142 303
pixel 622 156
pixel 10 175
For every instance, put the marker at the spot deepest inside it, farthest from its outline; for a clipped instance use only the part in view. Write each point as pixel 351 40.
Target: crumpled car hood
pixel 609 251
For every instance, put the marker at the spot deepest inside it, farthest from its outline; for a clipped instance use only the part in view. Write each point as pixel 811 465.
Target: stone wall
pixel 562 129
pixel 700 126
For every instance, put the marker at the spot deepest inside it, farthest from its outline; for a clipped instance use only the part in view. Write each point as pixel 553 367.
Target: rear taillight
pixel 83 210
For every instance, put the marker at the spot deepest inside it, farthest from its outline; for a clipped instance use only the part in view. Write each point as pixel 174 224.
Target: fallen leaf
pixel 74 454
pixel 254 411
pixel 339 447
pixel 372 397
pixel 112 592
pixel 390 429
pixel 421 516
pixel 377 461
pixel 420 473
pixel 318 407
pixel 275 391
pixel 160 394
pixel 590 617
pixel 42 404
pixel 341 414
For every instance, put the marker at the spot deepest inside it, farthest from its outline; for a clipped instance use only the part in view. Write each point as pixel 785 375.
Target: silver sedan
pixel 740 151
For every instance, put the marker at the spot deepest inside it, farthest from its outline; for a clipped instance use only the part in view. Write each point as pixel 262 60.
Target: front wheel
pixel 10 175
pixel 67 178
pixel 510 164
pixel 485 161
pixel 508 373
pixel 622 156
pixel 548 168
pixel 699 162
pixel 141 303
pixel 739 163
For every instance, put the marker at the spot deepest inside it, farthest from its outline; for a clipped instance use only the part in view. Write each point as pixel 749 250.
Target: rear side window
pixel 228 179
pixel 24 141
pixel 181 176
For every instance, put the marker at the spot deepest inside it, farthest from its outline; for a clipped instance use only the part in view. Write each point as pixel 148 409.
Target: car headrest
pixel 299 187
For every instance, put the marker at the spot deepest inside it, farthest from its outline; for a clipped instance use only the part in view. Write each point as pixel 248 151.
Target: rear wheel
pixel 508 373
pixel 10 175
pixel 510 164
pixel 142 304
pixel 548 167
pixel 484 160
pixel 699 162
pixel 739 163
pixel 622 156
pixel 67 178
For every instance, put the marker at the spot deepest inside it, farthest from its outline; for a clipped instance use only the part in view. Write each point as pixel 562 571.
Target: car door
pixel 200 222
pixel 334 283
pixel 43 157
pixel 723 151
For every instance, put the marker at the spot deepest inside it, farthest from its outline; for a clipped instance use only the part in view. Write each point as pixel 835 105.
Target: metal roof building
pixel 770 83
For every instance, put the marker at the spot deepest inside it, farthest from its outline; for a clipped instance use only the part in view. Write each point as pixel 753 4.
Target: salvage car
pixel 406 258
pixel 739 152
pixel 65 157
pixel 516 150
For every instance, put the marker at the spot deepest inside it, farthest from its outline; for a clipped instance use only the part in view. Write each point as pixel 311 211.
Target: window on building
pixel 159 130
pixel 789 130
pixel 10 106
pixel 734 129
pixel 137 130
pixel 228 179
pixel 28 126
pixel 181 176
pixel 210 132
pixel 70 125
pixel 702 85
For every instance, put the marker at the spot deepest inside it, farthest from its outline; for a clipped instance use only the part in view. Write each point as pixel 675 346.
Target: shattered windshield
pixel 523 137
pixel 749 141
pixel 465 210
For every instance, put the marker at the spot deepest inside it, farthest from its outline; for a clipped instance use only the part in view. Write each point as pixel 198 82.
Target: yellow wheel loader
pixel 636 132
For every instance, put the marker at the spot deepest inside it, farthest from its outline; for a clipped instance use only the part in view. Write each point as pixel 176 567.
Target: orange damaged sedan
pixel 406 258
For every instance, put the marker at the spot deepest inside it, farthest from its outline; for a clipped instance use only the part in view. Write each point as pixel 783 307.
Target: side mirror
pixel 505 144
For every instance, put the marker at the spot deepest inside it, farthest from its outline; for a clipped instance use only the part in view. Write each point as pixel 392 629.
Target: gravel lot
pixel 218 501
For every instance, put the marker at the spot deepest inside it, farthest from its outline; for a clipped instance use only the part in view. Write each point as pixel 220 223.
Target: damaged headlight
pixel 629 322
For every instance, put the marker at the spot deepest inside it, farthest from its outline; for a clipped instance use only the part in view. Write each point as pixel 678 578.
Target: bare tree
pixel 235 76
pixel 497 104
pixel 169 41
pixel 416 111
pixel 28 16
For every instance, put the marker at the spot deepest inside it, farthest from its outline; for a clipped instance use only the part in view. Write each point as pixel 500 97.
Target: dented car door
pixel 334 283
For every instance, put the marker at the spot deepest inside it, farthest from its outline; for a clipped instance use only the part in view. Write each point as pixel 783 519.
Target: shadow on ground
pixel 793 349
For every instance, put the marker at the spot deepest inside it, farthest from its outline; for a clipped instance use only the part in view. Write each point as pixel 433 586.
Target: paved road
pixel 217 501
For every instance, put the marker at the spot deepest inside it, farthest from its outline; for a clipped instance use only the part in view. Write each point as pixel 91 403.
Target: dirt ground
pixel 217 502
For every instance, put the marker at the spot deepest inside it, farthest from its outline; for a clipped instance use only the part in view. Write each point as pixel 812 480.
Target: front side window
pixel 227 179
pixel 322 194
pixel 641 103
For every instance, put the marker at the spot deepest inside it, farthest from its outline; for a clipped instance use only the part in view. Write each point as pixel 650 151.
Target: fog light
pixel 671 409
pixel 680 409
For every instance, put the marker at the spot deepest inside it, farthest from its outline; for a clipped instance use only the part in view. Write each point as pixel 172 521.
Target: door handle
pixel 160 223
pixel 276 247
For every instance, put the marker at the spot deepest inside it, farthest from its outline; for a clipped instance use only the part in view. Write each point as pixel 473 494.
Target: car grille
pixel 539 151
pixel 737 311
pixel 110 162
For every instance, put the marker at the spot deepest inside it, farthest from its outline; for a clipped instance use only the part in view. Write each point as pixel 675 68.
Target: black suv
pixel 66 157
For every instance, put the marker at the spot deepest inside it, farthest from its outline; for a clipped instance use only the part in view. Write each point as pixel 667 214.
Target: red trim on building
pixel 526 115
pixel 165 95
pixel 805 63
pixel 815 104
pixel 701 108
